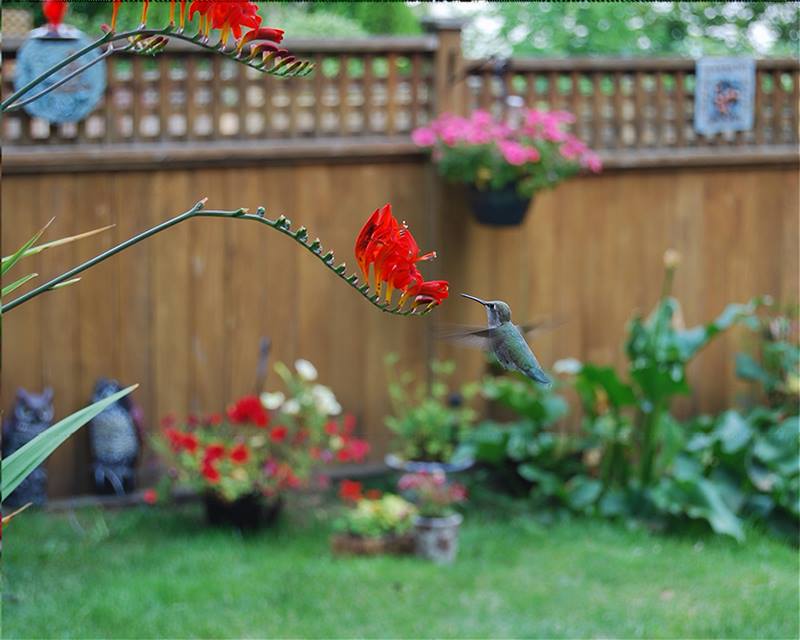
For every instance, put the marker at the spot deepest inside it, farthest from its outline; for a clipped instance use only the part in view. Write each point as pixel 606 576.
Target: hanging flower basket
pixel 498 207
pixel 504 162
pixel 250 512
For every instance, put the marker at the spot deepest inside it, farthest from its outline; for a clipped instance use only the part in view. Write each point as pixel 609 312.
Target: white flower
pixel 569 366
pixel 324 400
pixel 305 370
pixel 291 407
pixel 272 400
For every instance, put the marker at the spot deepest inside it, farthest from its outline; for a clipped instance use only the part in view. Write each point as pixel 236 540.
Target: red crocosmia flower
pixel 240 454
pixel 278 433
pixel 249 410
pixel 228 15
pixel 428 293
pixel 331 428
pixel 262 33
pixel 54 11
pixel 114 11
pixel 350 490
pixel 392 251
pixel 373 494
pixel 150 496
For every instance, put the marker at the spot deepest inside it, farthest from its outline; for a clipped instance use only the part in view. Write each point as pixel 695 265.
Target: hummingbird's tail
pixel 537 375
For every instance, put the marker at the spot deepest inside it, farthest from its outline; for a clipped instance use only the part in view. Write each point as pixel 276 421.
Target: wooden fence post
pixel 449 78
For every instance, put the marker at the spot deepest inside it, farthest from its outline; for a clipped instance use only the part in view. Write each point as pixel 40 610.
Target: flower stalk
pixel 280 224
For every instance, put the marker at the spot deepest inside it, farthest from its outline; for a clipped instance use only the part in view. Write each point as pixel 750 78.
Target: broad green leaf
pixel 619 393
pixel 748 369
pixel 733 432
pixel 582 492
pixel 17 284
pixel 18 465
pixel 10 261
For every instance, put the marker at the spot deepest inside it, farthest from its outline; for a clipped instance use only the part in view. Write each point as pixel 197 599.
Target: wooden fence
pixel 182 314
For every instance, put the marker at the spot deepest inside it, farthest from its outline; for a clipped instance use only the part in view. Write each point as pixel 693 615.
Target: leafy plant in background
pixel 525 454
pixel 373 514
pixel 427 420
pixel 262 446
pixel 633 438
pixel 433 495
pixel 775 366
pixel 534 154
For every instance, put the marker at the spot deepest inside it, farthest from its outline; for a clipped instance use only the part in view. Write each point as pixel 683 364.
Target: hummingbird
pixel 506 341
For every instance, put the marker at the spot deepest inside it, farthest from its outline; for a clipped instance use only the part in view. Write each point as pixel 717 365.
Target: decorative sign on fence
pixel 76 98
pixel 724 96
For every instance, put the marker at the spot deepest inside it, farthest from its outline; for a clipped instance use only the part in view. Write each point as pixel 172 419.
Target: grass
pixel 158 572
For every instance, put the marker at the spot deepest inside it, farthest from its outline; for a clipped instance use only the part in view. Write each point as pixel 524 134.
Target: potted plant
pixel 374 523
pixel 503 164
pixel 242 462
pixel 436 526
pixel 428 421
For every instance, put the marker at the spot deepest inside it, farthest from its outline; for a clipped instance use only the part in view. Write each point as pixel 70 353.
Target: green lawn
pixel 158 572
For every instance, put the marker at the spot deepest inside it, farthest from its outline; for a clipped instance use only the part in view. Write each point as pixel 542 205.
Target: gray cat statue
pixel 114 436
pixel 32 414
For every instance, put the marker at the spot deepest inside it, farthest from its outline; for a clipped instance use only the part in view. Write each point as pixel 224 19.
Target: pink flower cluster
pixel 516 145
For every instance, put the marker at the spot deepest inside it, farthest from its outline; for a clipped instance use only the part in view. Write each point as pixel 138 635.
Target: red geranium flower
pixel 278 433
pixel 350 490
pixel 150 496
pixel 240 454
pixel 348 424
pixel 392 252
pixel 356 449
pixel 331 428
pixel 213 452
pixel 210 472
pixel 248 410
pixel 190 442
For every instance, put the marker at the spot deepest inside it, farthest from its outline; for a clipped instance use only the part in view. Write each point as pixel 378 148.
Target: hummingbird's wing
pixel 481 337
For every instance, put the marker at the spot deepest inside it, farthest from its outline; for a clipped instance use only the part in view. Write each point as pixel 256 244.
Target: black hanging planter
pixel 248 513
pixel 502 207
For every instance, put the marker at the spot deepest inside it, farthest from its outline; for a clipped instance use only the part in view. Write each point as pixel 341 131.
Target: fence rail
pixel 634 111
pixel 624 104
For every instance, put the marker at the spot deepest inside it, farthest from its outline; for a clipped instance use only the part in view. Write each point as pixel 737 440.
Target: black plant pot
pixel 248 513
pixel 503 207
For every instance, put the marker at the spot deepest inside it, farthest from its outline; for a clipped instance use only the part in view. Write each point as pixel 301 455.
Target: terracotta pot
pixel 247 513
pixel 437 538
pixel 502 207
pixel 345 544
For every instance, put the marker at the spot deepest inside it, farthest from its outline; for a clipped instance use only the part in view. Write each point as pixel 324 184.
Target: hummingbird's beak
pixel 483 302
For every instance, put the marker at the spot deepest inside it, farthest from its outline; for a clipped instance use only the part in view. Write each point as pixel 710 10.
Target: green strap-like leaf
pixel 18 283
pixel 10 261
pixel 19 464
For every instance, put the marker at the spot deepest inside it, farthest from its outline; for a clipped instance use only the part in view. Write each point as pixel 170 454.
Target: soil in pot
pixel 247 513
pixel 437 538
pixel 502 207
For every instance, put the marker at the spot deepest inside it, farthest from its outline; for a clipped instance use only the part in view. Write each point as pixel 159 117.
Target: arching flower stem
pixel 281 224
